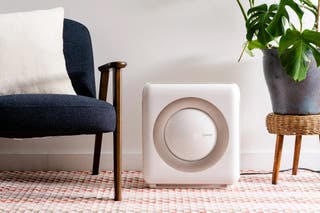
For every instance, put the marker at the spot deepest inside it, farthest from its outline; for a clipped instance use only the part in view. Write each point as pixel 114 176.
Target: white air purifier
pixel 190 134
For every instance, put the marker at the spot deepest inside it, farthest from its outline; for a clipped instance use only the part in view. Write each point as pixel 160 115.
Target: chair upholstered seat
pixel 36 115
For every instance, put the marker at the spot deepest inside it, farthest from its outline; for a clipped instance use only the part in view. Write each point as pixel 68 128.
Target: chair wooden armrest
pixel 115 64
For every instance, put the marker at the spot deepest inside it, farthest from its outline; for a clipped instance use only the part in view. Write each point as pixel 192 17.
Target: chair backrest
pixel 79 57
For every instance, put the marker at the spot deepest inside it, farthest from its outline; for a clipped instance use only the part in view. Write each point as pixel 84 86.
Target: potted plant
pixel 291 53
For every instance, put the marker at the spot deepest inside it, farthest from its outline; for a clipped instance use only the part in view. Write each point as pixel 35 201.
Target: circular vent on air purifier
pixel 190 134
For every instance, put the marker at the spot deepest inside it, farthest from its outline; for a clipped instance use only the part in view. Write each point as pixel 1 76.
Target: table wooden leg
pixel 296 156
pixel 277 158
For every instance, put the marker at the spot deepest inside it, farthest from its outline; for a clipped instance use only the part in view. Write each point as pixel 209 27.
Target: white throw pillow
pixel 31 53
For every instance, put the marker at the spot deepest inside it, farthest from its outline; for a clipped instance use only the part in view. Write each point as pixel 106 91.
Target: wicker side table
pixel 290 125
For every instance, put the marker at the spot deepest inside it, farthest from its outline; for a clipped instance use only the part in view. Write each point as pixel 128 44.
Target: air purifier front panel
pixel 191 133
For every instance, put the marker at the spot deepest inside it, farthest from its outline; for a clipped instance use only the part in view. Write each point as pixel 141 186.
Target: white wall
pixel 162 41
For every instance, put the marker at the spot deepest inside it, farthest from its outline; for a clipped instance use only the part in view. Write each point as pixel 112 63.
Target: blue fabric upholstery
pixel 37 115
pixel 79 57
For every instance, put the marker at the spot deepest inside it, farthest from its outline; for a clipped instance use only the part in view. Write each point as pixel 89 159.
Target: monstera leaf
pixel 295 49
pixel 259 18
pixel 310 6
pixel 307 4
pixel 276 27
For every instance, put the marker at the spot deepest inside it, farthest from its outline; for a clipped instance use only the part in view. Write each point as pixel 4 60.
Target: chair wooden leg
pixel 277 158
pixel 117 166
pixel 117 137
pixel 97 153
pixel 297 148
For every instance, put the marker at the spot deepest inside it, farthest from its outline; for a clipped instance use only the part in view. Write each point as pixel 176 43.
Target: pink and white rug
pixel 81 192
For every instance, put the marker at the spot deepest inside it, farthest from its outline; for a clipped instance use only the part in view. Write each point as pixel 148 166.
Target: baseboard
pixel 264 161
pixel 67 162
pixel 133 161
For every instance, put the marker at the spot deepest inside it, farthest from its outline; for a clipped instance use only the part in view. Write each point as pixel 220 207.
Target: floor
pixel 55 191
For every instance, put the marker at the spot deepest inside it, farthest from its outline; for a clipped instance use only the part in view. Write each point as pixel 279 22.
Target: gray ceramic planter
pixel 287 96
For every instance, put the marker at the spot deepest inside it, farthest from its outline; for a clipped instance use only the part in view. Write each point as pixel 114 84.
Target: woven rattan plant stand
pixel 297 125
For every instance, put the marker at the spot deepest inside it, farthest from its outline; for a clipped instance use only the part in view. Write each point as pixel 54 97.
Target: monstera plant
pixel 291 52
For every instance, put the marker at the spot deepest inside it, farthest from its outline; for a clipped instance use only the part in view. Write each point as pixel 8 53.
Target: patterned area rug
pixel 82 192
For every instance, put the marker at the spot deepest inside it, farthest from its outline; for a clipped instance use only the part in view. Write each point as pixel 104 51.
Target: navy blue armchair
pixel 38 115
